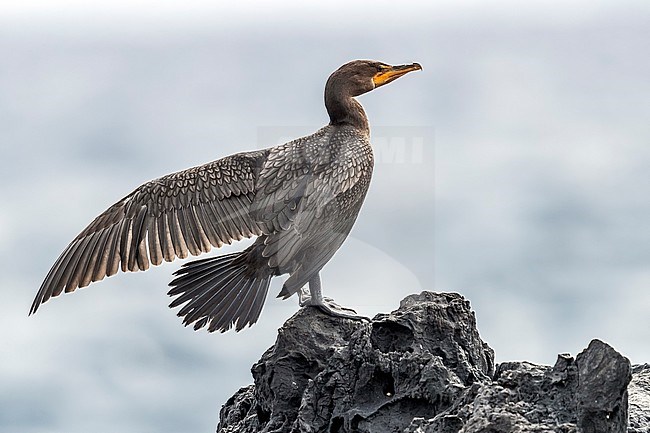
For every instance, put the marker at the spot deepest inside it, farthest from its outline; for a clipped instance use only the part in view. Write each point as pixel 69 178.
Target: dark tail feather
pixel 221 292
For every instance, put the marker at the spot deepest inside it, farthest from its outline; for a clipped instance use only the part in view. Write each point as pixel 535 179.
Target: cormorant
pixel 300 200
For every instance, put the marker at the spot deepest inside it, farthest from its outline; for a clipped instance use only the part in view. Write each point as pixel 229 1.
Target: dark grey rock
pixel 601 394
pixel 586 395
pixel 424 369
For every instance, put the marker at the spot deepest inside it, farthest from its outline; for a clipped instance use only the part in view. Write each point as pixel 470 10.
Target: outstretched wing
pixel 179 214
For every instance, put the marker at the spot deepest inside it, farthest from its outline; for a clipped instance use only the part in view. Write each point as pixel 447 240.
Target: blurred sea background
pixel 514 169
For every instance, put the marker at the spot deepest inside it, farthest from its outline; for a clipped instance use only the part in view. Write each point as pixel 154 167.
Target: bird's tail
pixel 222 292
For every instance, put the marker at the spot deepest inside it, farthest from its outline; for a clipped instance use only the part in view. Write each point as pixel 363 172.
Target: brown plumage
pixel 299 199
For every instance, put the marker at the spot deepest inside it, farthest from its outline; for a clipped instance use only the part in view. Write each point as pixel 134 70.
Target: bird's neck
pixel 345 110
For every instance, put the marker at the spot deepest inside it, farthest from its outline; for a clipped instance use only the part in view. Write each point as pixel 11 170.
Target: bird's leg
pixel 314 297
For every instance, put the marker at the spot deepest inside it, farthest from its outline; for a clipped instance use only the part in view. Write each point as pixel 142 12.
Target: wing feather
pixel 55 276
pixel 203 242
pixel 188 235
pixel 237 224
pixel 165 236
pixel 87 266
pixel 213 211
pixel 125 243
pixel 138 232
pixel 71 275
pixel 114 255
pixel 229 229
pixel 153 237
pixel 210 237
pixel 102 257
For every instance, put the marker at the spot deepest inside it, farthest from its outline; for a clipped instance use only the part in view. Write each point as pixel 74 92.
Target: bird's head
pixel 361 76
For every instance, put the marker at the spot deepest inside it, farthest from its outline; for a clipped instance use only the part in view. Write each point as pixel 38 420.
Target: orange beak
pixel 392 73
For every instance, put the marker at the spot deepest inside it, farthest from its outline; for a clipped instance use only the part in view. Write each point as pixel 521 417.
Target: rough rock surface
pixel 423 369
pixel 639 390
